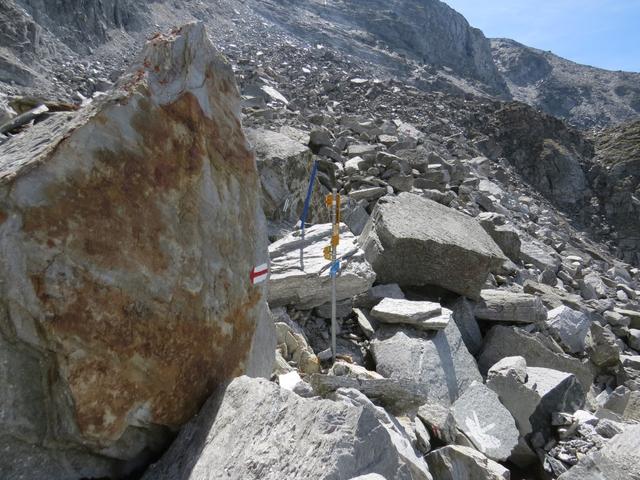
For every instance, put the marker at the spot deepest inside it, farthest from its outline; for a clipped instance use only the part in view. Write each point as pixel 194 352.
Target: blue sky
pixel 602 33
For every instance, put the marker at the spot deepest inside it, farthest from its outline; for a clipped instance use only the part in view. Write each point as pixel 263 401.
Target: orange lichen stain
pixel 119 345
pixel 114 214
pixel 134 354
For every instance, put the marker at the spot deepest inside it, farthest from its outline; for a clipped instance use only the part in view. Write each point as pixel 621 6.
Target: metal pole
pixel 334 217
pixel 305 210
pixel 302 250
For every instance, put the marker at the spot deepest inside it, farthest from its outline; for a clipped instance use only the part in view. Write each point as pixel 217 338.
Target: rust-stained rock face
pixel 127 234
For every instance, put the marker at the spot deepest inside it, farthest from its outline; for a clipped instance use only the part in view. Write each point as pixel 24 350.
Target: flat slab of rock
pixel 422 315
pixel 486 422
pixel 255 429
pixel 376 294
pixel 397 396
pixel 414 241
pixel 438 363
pixel 503 342
pixel 372 193
pixel 553 297
pixel 619 459
pixel 290 285
pixel 506 306
pixel 633 315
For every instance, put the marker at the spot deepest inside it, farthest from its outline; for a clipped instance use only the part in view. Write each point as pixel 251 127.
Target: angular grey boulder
pixel 619 459
pixel 414 242
pixel 506 306
pixel 440 421
pixel 535 348
pixel 592 287
pixel 569 327
pixel 285 167
pixel 505 236
pixel 439 363
pixel 246 433
pixel 422 315
pixel 539 255
pixel 534 400
pixel 602 346
pixel 290 285
pixel 486 422
pixel 456 462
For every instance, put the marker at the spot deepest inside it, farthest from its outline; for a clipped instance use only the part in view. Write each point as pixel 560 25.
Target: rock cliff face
pixel 128 232
pixel 585 96
pixel 616 176
pixel 549 155
pixel 80 24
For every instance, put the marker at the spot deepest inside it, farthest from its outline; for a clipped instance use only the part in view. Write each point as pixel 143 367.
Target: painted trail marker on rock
pixel 259 274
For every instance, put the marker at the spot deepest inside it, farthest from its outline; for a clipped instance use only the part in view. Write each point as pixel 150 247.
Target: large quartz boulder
pixel 256 430
pixel 414 241
pixel 128 232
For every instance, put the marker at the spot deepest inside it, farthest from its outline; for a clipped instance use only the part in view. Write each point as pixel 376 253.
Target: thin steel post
pixel 334 217
pixel 302 250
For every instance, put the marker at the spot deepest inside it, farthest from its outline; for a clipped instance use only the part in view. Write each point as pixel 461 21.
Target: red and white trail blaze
pixel 259 274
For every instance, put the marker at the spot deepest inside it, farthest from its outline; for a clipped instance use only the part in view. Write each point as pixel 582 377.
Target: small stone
pixel 289 380
pixel 634 339
pixel 515 367
pixel 608 428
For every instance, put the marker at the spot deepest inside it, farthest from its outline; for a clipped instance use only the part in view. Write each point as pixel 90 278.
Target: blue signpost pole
pixel 305 210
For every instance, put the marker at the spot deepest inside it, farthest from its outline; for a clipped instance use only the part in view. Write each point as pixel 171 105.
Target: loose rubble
pixel 487 318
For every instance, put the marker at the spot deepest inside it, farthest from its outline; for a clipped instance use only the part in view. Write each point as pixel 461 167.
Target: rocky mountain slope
pixel 488 314
pixel 584 96
pixel 402 35
pixel 54 47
